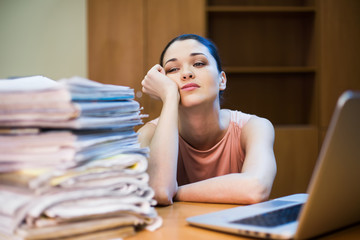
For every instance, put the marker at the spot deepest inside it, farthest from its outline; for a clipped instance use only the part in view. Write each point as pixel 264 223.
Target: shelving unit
pixel 258 9
pixel 268 49
pixel 268 55
pixel 270 69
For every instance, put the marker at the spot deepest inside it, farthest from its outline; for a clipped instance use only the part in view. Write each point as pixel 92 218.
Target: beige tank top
pixel 225 157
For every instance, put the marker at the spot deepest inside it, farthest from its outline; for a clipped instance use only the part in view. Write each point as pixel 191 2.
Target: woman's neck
pixel 203 127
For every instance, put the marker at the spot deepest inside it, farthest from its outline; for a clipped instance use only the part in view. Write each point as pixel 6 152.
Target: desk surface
pixel 175 226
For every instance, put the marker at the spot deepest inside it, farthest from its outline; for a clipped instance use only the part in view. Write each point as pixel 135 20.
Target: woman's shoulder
pixel 259 126
pixel 238 117
pixel 251 125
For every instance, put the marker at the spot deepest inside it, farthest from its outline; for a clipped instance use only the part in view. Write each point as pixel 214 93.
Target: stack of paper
pixel 75 103
pixel 70 163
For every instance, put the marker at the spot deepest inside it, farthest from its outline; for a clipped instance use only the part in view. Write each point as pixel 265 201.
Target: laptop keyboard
pixel 273 218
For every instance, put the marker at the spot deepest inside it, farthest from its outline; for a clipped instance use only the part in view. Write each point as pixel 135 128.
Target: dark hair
pixel 204 41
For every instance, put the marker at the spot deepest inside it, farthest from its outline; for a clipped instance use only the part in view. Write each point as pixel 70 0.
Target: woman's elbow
pixel 256 197
pixel 163 197
pixel 258 192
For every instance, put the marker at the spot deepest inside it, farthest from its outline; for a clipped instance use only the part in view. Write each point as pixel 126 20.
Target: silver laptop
pixel 332 200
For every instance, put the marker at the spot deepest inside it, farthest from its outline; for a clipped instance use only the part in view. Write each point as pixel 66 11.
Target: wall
pixel 41 37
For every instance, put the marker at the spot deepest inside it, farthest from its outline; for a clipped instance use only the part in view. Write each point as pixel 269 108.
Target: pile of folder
pixel 71 166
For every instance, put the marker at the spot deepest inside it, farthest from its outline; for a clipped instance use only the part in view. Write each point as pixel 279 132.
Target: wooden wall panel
pixel 166 20
pixel 340 49
pixel 126 38
pixel 296 151
pixel 116 42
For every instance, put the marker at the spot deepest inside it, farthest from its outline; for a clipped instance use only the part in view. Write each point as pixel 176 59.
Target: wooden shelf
pixel 296 127
pixel 268 53
pixel 227 9
pixel 269 70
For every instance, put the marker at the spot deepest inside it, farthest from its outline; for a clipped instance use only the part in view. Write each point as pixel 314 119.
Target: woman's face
pixel 194 69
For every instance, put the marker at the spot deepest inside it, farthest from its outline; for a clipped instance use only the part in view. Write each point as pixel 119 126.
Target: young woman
pixel 198 151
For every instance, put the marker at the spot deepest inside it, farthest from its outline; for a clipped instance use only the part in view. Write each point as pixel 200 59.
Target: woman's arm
pixel 253 184
pixel 163 138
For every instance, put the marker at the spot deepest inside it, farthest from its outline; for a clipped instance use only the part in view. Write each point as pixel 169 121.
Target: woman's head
pixel 191 45
pixel 206 42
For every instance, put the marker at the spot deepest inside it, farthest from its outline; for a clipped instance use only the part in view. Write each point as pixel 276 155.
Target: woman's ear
pixel 222 83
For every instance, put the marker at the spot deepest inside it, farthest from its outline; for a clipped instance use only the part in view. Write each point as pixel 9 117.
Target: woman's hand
pixel 157 85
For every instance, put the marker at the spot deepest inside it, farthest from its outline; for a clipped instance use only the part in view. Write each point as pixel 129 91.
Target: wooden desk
pixel 175 226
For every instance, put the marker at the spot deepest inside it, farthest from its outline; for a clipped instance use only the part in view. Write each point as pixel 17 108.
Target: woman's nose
pixel 187 75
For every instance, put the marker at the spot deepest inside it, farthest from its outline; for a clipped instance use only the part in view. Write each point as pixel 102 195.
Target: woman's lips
pixel 190 86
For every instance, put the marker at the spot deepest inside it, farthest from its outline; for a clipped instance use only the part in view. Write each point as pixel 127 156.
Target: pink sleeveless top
pixel 225 157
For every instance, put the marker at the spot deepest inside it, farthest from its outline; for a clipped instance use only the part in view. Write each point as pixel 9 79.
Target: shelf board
pixel 269 69
pixel 218 9
pixel 296 127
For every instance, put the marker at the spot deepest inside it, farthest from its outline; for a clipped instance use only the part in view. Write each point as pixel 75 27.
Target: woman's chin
pixel 195 100
pixel 189 104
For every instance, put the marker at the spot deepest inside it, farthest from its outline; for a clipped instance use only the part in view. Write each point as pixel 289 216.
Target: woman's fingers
pixel 157 85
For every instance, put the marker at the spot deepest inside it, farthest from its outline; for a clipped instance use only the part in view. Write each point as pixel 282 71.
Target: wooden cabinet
pixel 269 52
pixel 288 61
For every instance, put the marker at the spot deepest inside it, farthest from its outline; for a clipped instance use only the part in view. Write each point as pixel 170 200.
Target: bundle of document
pixel 71 166
pixel 74 103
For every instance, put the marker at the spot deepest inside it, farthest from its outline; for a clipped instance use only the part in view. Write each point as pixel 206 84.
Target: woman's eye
pixel 171 70
pixel 198 64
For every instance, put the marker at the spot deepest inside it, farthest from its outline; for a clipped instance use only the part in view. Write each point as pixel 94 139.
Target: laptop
pixel 332 200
